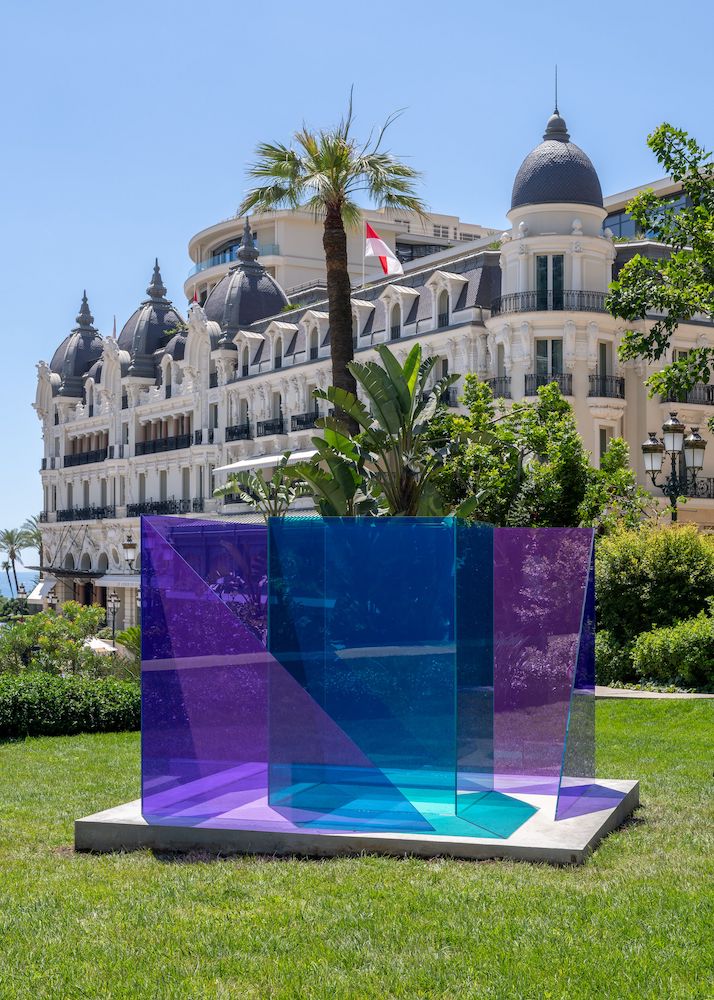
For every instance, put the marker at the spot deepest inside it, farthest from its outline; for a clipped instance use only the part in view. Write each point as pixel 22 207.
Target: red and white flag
pixel 376 247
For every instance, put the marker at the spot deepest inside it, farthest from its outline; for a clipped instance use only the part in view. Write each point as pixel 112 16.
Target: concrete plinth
pixel 540 838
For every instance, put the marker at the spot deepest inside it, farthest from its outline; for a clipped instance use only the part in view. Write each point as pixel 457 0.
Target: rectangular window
pixel 604 354
pixel 549 357
pixel 186 484
pixel 558 280
pixel 103 493
pixel 163 485
pixel 122 491
pixel 142 487
pixel 605 438
pixel 541 282
pixel 85 493
pixel 213 415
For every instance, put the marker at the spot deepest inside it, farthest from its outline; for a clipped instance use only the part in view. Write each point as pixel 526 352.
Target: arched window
pixel 86 562
pixel 314 344
pixel 69 561
pixel 167 381
pixel 245 366
pixel 279 353
pixel 89 399
pixel 442 309
pixel 395 322
pixel 103 562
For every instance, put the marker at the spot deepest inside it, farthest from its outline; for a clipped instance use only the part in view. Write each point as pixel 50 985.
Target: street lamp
pixel 112 608
pixel 129 547
pixel 674 442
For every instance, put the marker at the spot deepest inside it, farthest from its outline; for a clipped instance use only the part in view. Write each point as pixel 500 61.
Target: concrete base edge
pixel 568 841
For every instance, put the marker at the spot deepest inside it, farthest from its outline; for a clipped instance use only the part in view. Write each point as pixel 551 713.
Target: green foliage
pixel 681 286
pixel 681 653
pixel 130 639
pixel 331 169
pixel 526 465
pixel 13 607
pixel 388 467
pixel 12 542
pixel 54 642
pixel 650 581
pixel 38 704
pixel 269 497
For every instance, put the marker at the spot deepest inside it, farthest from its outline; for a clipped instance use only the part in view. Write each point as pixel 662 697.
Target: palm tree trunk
pixel 9 581
pixel 14 572
pixel 334 241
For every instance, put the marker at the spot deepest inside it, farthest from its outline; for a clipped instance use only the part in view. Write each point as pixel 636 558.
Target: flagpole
pixel 363 254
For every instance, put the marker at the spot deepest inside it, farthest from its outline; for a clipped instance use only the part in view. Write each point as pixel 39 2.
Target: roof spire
pixel 247 249
pixel 157 289
pixel 85 320
pixel 556 112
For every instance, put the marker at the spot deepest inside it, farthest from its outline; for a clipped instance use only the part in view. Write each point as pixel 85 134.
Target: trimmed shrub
pixel 651 578
pixel 41 704
pixel 682 653
pixel 613 662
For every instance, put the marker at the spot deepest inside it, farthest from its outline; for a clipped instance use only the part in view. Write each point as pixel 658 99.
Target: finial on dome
pixel 556 128
pixel 157 289
pixel 247 249
pixel 85 320
pixel 555 110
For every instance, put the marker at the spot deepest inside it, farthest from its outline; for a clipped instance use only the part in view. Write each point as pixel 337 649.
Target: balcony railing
pixel 163 444
pixel 534 382
pixel 500 387
pixel 449 397
pixel 702 488
pixel 395 332
pixel 238 432
pixel 313 353
pixel 197 505
pixel 228 256
pixel 571 301
pixel 85 457
pixel 610 386
pixel 442 320
pixel 85 513
pixel 172 506
pixel 701 394
pixel 43 517
pixel 267 427
pixel 303 421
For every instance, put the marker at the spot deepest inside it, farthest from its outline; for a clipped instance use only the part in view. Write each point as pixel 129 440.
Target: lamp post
pixel 112 608
pixel 674 442
pixel 129 547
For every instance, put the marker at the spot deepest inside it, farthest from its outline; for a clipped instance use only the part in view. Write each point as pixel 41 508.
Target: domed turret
pixel 556 171
pixel 144 333
pixel 246 294
pixel 77 353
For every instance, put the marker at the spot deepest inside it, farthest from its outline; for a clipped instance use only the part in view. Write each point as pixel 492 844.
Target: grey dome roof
pixel 78 352
pixel 556 171
pixel 246 294
pixel 145 331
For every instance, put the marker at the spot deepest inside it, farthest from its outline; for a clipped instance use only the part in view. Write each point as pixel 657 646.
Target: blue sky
pixel 127 128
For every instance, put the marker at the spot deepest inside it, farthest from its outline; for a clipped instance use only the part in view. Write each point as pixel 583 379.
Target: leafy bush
pixel 652 578
pixel 39 704
pixel 680 653
pixel 613 662
pixel 54 642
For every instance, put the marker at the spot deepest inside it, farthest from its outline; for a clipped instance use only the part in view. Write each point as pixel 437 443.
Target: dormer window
pixel 314 343
pixel 279 353
pixel 245 366
pixel 442 309
pixel 395 322
pixel 550 274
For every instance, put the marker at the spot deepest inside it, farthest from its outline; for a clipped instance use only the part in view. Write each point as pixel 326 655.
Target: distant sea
pixel 27 576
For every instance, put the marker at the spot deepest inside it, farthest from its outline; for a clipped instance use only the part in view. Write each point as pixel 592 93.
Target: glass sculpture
pixel 406 675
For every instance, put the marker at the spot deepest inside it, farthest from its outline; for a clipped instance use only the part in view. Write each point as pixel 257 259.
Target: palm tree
pixel 6 567
pixel 324 172
pixel 32 536
pixel 12 541
pixel 269 497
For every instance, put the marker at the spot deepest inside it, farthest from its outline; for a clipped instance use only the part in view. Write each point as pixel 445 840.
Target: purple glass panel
pixel 540 584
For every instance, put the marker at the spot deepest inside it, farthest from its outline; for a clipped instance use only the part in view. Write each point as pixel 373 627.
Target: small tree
pixel 13 541
pixel 269 497
pixel 681 285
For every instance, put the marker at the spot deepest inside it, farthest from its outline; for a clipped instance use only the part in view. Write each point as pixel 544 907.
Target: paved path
pixel 607 692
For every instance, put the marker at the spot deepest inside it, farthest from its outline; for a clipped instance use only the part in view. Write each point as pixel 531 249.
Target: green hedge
pixel 683 653
pixel 41 704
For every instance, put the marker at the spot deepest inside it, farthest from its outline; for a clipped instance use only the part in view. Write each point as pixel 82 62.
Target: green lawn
pixel 636 921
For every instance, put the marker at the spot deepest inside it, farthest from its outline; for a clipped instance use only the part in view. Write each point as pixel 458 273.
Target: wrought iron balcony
pixel 163 444
pixel 500 387
pixel 700 394
pixel 303 421
pixel 197 505
pixel 43 517
pixel 702 488
pixel 568 300
pixel 449 397
pixel 85 513
pixel 442 320
pixel 610 386
pixel 534 382
pixel 85 457
pixel 238 432
pixel 228 256
pixel 267 427
pixel 314 351
pixel 395 332
pixel 171 506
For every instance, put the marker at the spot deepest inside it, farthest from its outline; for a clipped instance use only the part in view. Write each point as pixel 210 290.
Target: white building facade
pixel 138 424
